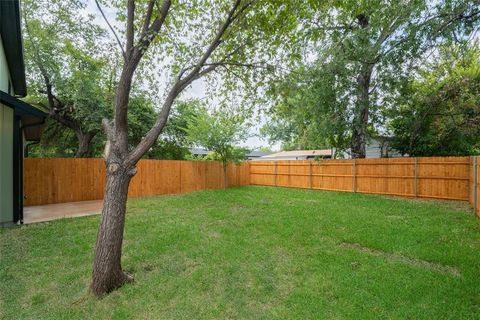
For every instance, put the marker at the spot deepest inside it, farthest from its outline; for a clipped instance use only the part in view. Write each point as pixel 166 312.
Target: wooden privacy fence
pixel 57 180
pixel 434 177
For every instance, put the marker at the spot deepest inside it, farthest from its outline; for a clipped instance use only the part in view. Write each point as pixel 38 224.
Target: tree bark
pixel 225 177
pixel 84 144
pixel 362 105
pixel 107 271
pixel 361 113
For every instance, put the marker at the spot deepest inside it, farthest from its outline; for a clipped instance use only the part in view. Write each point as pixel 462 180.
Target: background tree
pixel 67 75
pixel 439 112
pixel 220 133
pixel 308 112
pixel 61 141
pixel 173 143
pixel 361 53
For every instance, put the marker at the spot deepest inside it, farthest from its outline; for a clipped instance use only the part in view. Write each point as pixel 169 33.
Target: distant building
pixel 379 147
pixel 253 155
pixel 199 152
pixel 298 155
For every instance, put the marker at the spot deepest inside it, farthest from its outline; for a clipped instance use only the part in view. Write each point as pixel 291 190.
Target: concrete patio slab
pixel 48 212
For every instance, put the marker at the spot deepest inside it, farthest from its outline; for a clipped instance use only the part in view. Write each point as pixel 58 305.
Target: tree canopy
pixel 358 55
pixel 68 72
pixel 219 132
pixel 439 112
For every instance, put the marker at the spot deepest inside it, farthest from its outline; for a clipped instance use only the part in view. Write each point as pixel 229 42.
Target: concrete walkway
pixel 50 212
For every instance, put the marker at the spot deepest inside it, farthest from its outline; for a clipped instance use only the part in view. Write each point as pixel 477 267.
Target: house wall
pixel 373 150
pixel 6 146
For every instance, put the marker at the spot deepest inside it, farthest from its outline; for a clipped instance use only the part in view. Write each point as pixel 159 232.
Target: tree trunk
pixel 225 177
pixel 84 144
pixel 361 113
pixel 107 271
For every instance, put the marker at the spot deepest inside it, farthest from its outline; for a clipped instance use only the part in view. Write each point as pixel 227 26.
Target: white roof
pixel 300 153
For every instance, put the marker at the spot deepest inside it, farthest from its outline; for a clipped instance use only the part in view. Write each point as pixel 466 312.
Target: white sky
pixel 196 90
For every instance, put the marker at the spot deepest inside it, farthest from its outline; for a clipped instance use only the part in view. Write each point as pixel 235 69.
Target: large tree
pixel 361 51
pixel 68 73
pixel 187 40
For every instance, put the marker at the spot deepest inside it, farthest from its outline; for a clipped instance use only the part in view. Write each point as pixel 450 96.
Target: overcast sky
pixel 197 90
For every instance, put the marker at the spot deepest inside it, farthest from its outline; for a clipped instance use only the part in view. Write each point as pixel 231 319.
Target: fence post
pixel 275 171
pixel 180 175
pixel 289 174
pixel 415 181
pixel 311 185
pixel 205 175
pixel 354 178
pixel 475 185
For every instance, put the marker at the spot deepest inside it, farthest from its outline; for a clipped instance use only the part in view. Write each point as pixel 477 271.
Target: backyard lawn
pixel 255 252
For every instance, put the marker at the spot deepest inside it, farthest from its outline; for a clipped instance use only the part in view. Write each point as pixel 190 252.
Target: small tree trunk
pixel 107 271
pixel 225 177
pixel 84 143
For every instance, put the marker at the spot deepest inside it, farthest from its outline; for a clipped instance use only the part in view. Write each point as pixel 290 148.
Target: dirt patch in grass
pixel 238 208
pixel 453 205
pixel 437 267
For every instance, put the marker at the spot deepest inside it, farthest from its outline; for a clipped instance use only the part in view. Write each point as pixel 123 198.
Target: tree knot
pixel 113 167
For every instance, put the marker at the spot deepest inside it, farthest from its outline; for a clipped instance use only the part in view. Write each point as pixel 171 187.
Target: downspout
pixel 24 152
pixel 28 145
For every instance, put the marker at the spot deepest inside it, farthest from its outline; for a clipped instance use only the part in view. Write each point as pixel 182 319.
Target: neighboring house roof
pixel 300 153
pixel 199 151
pixel 11 34
pixel 258 154
pixel 252 154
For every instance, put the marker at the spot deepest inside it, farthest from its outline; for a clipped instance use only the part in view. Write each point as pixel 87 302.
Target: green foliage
pixel 308 114
pixel 219 132
pixel 173 142
pixel 357 56
pixel 235 155
pixel 66 52
pixel 439 113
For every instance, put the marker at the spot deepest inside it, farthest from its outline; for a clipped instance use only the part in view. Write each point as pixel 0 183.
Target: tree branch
pixel 181 83
pixel 148 16
pixel 150 32
pixel 111 29
pixel 130 26
pixel 124 85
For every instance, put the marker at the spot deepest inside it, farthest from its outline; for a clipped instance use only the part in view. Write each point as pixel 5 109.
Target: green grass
pixel 255 253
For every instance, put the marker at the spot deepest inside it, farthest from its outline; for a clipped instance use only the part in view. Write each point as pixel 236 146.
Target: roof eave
pixel 11 32
pixel 21 107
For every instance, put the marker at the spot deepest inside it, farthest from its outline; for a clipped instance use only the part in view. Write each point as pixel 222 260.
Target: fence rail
pixel 57 180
